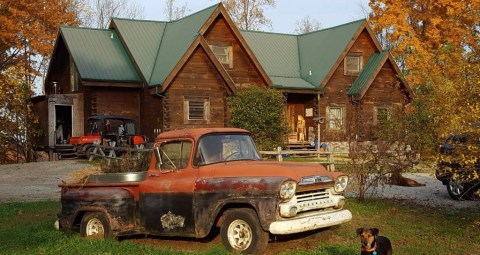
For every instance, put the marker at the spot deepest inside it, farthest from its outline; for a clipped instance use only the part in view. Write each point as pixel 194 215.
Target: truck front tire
pixel 241 232
pixel 95 225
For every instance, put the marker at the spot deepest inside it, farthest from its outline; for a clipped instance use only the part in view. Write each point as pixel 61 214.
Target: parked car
pixel 459 185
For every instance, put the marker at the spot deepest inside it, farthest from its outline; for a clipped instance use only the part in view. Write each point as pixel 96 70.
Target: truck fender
pixel 116 203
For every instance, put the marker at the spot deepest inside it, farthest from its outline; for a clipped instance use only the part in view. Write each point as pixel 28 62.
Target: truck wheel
pixel 95 225
pixel 455 190
pixel 241 232
pixel 89 152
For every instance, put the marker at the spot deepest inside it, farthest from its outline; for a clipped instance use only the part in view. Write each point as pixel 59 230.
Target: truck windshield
pixel 221 148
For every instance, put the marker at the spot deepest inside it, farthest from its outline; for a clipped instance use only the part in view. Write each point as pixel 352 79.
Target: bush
pixel 261 111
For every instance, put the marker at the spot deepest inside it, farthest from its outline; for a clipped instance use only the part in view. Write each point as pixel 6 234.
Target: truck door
pixel 166 198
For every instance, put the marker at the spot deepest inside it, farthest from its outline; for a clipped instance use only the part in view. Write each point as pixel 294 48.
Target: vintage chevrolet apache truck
pixel 204 178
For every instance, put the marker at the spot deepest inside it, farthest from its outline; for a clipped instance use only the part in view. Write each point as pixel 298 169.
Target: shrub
pixel 260 111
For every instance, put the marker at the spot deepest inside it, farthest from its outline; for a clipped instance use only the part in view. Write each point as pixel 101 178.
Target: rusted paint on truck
pixel 204 178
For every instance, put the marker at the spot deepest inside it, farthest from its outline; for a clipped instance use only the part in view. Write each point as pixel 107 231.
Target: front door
pixel 296 123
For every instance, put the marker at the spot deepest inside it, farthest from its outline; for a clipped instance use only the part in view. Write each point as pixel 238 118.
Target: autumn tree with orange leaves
pixel 437 45
pixel 27 33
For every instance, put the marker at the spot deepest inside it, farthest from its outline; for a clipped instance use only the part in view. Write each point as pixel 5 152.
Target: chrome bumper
pixel 310 221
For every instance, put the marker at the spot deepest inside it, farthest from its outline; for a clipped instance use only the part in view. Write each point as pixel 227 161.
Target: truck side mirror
pixel 158 163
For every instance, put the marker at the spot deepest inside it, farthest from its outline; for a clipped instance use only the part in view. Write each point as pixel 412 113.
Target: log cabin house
pixel 179 74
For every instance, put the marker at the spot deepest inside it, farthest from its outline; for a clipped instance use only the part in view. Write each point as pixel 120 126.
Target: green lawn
pixel 27 228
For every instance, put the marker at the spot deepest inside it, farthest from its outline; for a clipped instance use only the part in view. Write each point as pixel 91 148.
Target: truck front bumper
pixel 310 221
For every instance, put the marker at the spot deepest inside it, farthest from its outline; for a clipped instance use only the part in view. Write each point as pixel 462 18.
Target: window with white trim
pixel 196 109
pixel 224 54
pixel 353 64
pixel 336 117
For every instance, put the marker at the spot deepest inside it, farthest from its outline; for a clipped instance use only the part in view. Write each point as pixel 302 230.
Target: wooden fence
pixel 329 158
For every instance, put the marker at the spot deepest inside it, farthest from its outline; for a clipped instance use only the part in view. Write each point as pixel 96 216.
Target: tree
pixel 248 14
pixel 260 111
pixel 437 44
pixel 174 12
pixel 428 37
pixel 27 33
pixel 306 25
pixel 98 13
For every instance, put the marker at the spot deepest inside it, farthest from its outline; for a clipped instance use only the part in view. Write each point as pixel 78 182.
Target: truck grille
pixel 314 199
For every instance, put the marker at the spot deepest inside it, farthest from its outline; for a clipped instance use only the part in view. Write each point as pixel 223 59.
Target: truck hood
pixel 290 170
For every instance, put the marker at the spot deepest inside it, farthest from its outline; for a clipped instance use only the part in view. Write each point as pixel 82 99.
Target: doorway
pixel 63 123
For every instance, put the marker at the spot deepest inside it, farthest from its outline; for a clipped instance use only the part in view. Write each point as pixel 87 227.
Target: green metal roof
pixel 374 62
pixel 320 50
pixel 157 46
pixel 292 83
pixel 99 55
pixel 308 57
pixel 142 39
pixel 177 38
pixel 277 53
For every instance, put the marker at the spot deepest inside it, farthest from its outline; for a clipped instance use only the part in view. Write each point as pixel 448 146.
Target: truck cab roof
pixel 197 133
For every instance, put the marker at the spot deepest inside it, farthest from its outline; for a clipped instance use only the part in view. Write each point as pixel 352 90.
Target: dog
pixel 372 243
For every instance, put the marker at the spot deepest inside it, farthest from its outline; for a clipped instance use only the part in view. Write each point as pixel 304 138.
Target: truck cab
pixel 200 179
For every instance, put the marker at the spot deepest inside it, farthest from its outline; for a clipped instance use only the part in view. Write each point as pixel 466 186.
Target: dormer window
pixel 353 63
pixel 224 54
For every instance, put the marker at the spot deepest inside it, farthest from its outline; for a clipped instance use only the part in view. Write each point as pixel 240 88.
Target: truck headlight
pixel 287 190
pixel 340 184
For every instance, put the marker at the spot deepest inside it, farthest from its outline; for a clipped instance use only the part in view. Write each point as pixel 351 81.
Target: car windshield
pixel 222 147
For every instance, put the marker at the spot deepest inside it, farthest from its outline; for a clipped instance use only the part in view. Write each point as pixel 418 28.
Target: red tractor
pixel 108 130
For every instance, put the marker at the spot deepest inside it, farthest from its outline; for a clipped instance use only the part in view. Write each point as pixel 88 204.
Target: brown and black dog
pixel 374 244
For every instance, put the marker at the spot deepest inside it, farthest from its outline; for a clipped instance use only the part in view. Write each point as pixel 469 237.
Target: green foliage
pixel 27 228
pixel 260 111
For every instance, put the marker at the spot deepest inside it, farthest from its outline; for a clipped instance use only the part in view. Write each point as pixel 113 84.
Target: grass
pixel 27 228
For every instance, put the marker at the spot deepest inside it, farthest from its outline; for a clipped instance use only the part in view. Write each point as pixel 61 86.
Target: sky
pixel 284 15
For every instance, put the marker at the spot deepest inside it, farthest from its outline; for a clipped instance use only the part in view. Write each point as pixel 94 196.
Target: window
pixel 224 54
pixel 382 114
pixel 336 117
pixel 175 155
pixel 73 76
pixel 197 110
pixel 217 148
pixel 353 64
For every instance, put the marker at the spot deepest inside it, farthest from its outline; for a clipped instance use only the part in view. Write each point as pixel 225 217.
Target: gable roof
pixel 99 55
pixel 163 43
pixel 368 73
pixel 301 61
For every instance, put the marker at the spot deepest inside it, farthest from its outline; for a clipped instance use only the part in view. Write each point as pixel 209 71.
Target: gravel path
pixel 433 194
pixel 35 181
pixel 39 181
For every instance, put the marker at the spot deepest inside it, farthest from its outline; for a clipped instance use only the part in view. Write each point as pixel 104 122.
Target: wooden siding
pixel 59 71
pixel 151 114
pixel 382 91
pixel 198 77
pixel 112 101
pixel 243 71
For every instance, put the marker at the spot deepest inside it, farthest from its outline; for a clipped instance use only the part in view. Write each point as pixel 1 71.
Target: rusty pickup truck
pixel 200 179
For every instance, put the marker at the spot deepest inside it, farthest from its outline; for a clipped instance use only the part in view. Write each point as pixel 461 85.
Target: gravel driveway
pixel 39 181
pixel 35 181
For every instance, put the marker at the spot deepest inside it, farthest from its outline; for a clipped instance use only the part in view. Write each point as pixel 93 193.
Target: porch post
pixel 318 125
